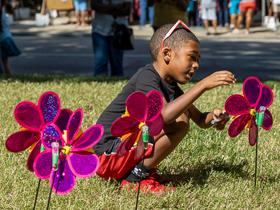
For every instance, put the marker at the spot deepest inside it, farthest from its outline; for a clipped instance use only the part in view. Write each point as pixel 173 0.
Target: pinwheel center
pixel 141 124
pixel 126 114
pixel 253 112
pixel 64 136
pixel 66 150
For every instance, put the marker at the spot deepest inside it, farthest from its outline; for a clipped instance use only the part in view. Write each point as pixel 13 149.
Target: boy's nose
pixel 195 65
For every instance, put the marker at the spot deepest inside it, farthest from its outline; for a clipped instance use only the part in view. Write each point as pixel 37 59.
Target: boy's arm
pixel 202 119
pixel 174 109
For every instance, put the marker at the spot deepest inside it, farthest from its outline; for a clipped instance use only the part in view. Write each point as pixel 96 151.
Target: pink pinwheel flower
pixel 75 159
pixel 244 108
pixel 33 118
pixel 141 109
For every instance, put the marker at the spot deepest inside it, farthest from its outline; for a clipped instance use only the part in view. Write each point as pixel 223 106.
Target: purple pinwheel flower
pixel 141 109
pixel 33 118
pixel 244 108
pixel 75 159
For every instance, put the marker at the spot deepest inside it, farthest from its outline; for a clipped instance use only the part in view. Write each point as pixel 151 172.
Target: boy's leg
pixel 167 141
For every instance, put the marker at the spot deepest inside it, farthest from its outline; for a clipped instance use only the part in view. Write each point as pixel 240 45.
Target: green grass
pixel 211 170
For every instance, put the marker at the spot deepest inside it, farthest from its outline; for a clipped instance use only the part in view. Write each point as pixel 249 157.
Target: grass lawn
pixel 210 170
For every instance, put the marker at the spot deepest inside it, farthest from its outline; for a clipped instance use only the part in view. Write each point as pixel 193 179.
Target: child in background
pixel 80 11
pixel 176 55
pixel 7 44
pixel 208 13
pixel 247 8
pixel 234 11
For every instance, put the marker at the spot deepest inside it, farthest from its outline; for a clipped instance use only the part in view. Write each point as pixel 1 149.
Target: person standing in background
pixel 80 11
pixel 234 12
pixel 247 8
pixel 8 47
pixel 108 12
pixel 169 11
pixel 208 13
pixel 144 5
pixel 192 12
pixel 223 13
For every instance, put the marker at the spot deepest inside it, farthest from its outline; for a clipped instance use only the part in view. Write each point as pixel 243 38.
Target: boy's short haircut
pixel 175 41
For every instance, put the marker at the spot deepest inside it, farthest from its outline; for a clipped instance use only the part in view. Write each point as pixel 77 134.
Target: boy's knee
pixel 180 126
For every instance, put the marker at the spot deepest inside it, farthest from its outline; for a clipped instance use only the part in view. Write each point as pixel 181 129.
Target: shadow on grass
pixel 269 179
pixel 199 174
pixel 62 78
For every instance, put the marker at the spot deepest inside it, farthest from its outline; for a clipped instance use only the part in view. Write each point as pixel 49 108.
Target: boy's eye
pixel 195 58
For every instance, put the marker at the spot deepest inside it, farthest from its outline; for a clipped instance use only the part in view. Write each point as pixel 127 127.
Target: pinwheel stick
pixel 259 122
pixel 42 148
pixel 55 158
pixel 145 139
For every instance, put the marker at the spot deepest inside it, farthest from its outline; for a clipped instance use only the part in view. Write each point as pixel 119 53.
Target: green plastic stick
pixel 55 155
pixel 145 135
pixel 42 148
pixel 259 122
pixel 260 116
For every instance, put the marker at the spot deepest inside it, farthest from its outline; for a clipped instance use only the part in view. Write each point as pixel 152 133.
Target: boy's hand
pixel 218 78
pixel 220 118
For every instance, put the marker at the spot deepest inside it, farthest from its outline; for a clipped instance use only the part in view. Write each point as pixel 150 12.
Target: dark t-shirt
pixel 145 80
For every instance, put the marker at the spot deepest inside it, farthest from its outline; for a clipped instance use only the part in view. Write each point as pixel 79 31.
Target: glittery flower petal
pixel 252 90
pixel 64 180
pixel 50 134
pixel 155 104
pixel 124 125
pixel 137 106
pixel 49 105
pixel 238 125
pixel 20 141
pixel 237 105
pixel 89 138
pixel 83 165
pixel 63 119
pixel 74 125
pixel 28 115
pixel 43 164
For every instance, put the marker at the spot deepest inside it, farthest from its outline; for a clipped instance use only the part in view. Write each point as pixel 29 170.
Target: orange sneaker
pixel 148 186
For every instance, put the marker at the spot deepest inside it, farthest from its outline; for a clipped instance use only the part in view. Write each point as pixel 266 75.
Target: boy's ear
pixel 166 54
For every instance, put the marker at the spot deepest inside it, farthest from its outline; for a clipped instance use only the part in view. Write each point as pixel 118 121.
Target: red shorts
pixel 113 166
pixel 247 6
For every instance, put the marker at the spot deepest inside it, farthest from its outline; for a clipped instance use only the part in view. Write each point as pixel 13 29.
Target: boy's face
pixel 184 62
